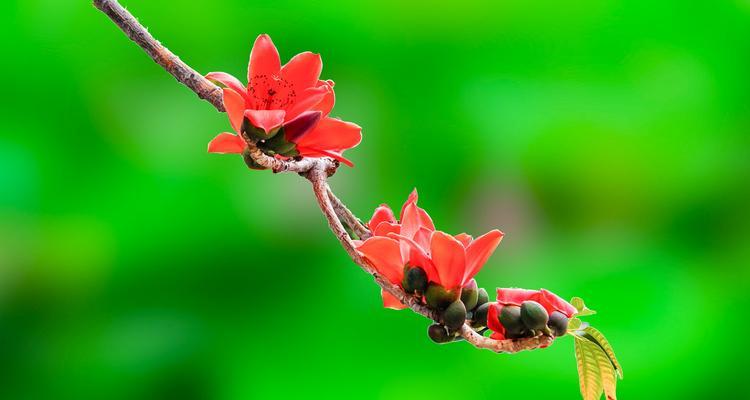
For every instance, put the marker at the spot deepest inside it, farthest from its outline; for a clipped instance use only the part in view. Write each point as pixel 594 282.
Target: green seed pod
pixel 439 334
pixel 558 322
pixel 470 295
pixel 415 280
pixel 438 298
pixel 510 317
pixel 479 319
pixel 482 296
pixel 534 316
pixel 455 315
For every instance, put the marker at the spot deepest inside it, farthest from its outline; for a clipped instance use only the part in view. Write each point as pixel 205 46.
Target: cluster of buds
pixel 522 313
pixel 434 267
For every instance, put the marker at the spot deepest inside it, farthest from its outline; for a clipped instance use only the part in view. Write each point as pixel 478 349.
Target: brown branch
pixel 316 170
pixel 160 54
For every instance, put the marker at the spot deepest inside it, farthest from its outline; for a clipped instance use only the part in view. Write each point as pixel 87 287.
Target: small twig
pixel 170 62
pixel 317 170
pixel 348 217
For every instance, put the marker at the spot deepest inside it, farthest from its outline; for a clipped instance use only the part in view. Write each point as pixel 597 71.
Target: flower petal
pixel 332 134
pixel 385 227
pixel 268 120
pixel 553 302
pixel 226 143
pixel 264 59
pixel 385 255
pixel 329 99
pixel 307 100
pixel 390 301
pixel 493 321
pixel 515 296
pixel 464 238
pixel 480 250
pixel 382 214
pixel 229 81
pixel 235 106
pixel 303 70
pixel 300 126
pixel 415 255
pixel 449 258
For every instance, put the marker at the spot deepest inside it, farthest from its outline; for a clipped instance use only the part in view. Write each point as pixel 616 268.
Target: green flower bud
pixel 415 280
pixel 470 295
pixel 510 317
pixel 482 296
pixel 439 334
pixel 455 315
pixel 558 323
pixel 438 298
pixel 250 162
pixel 479 319
pixel 534 316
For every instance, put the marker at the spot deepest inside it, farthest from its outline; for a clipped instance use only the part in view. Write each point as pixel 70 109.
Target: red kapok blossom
pixel 448 261
pixel 289 98
pixel 514 296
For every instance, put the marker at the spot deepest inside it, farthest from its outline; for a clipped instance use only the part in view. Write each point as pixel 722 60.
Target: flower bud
pixel 479 319
pixel 438 298
pixel 510 317
pixel 534 316
pixel 482 296
pixel 455 315
pixel 279 145
pixel 470 295
pixel 439 334
pixel 415 280
pixel 558 323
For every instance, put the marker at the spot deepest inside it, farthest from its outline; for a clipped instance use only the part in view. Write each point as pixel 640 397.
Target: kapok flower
pixel 285 108
pixel 448 261
pixel 515 297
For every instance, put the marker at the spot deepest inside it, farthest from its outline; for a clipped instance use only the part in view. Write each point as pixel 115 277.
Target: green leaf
pixel 574 324
pixel 589 375
pixel 599 339
pixel 583 311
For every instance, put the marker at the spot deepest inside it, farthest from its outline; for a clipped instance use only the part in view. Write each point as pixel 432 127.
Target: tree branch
pixel 316 170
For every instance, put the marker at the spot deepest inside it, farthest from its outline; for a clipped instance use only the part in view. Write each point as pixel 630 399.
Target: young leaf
pixel 598 338
pixel 574 324
pixel 606 371
pixel 583 311
pixel 589 375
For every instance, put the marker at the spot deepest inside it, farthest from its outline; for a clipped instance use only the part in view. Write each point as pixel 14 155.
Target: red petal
pixel 382 214
pixel 493 321
pixel 385 255
pixel 390 301
pixel 480 250
pixel 384 228
pixel 264 59
pixel 332 134
pixel 226 143
pixel 268 120
pixel 300 126
pixel 412 199
pixel 235 106
pixel 326 103
pixel 464 238
pixel 228 81
pixel 449 258
pixel 415 255
pixel 307 100
pixel 515 296
pixel 303 70
pixel 553 302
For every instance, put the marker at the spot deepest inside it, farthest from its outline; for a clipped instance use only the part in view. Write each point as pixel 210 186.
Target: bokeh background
pixel 608 139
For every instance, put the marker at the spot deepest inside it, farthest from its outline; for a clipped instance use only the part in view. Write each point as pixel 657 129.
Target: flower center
pixel 270 92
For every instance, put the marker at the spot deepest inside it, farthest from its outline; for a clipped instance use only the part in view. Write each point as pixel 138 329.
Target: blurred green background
pixel 608 139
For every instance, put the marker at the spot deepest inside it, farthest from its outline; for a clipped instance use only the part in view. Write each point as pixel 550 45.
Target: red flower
pixel 289 97
pixel 447 260
pixel 514 296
